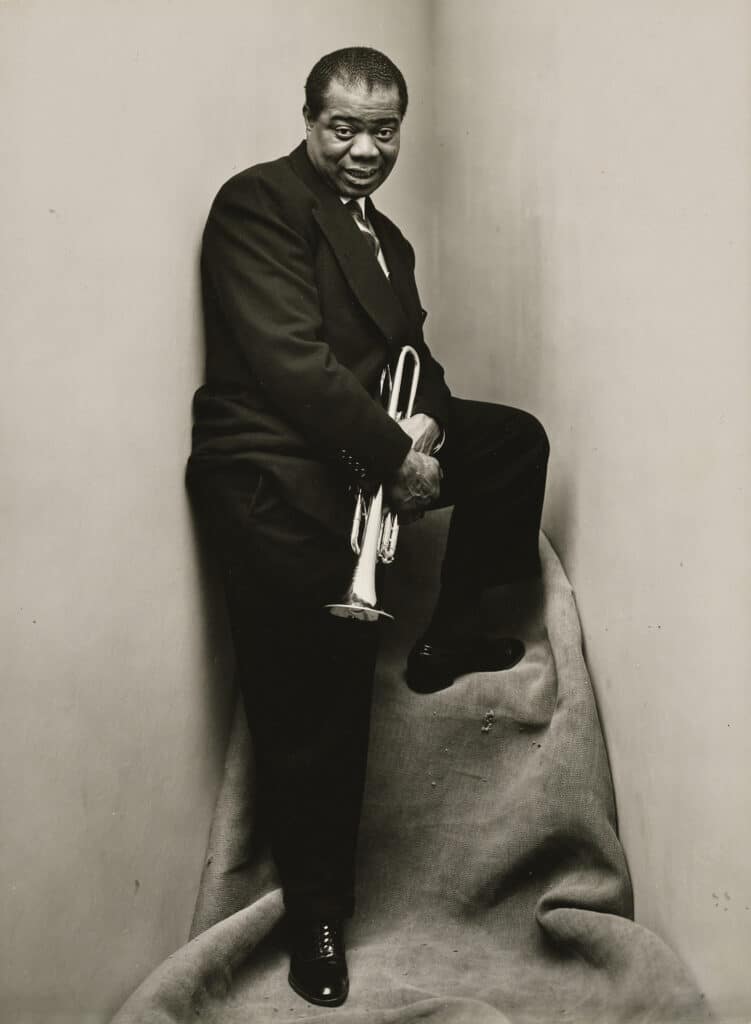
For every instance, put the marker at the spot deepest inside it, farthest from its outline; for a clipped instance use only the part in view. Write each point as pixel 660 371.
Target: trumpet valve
pixel 387 540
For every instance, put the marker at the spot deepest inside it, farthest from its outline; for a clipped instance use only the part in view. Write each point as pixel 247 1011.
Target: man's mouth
pixel 361 173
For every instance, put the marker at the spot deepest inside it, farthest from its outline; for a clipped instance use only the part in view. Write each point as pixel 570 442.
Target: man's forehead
pixel 358 98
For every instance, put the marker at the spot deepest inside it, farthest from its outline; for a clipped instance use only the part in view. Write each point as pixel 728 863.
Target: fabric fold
pixel 493 888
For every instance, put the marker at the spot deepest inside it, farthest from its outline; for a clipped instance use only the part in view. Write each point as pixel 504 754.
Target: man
pixel 308 292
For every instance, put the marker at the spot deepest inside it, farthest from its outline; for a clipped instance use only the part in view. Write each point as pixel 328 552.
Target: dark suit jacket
pixel 299 322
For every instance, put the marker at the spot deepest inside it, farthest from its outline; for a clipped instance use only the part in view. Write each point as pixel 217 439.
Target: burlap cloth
pixel 492 885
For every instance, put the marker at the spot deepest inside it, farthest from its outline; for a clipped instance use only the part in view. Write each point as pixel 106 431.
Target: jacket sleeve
pixel 260 266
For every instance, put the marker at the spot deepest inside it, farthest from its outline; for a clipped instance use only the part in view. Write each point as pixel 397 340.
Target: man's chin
pixel 353 193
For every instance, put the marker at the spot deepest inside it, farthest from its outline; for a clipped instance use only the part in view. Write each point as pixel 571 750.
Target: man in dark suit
pixel 308 293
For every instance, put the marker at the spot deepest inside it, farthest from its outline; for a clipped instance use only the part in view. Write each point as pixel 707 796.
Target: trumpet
pixel 375 529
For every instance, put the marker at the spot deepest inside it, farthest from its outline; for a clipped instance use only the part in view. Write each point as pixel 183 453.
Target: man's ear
pixel 307 117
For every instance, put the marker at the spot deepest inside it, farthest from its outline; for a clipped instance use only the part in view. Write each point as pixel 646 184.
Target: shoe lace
pixel 327 937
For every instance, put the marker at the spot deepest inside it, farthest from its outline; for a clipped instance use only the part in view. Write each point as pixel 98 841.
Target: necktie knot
pixel 355 209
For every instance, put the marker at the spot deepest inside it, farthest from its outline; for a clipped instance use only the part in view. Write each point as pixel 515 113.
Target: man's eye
pixel 386 134
pixel 342 132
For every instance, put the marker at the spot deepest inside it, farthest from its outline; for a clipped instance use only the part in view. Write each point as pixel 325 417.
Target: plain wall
pixel 120 122
pixel 591 261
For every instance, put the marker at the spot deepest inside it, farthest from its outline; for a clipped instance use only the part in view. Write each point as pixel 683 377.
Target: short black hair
pixel 353 65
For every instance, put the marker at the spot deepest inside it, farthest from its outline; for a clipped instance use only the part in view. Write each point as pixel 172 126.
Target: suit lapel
pixel 362 272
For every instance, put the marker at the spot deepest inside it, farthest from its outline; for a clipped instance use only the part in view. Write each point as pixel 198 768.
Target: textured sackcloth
pixel 492 886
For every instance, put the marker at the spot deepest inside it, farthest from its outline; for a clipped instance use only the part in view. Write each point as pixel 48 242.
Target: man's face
pixel 354 142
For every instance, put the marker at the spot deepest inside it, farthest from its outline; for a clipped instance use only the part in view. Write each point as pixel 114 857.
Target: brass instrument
pixel 375 541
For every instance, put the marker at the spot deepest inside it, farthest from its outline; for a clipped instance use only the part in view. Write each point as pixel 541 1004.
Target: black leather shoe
pixel 318 965
pixel 434 666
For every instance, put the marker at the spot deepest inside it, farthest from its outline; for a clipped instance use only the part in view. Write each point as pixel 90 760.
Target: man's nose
pixel 363 147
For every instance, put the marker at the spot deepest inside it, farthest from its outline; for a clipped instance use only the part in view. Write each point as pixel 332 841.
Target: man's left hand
pixel 423 430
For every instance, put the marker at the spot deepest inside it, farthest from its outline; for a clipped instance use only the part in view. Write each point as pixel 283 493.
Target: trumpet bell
pixel 358 610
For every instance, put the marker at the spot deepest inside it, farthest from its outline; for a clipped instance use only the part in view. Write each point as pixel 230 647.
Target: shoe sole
pixel 318 1002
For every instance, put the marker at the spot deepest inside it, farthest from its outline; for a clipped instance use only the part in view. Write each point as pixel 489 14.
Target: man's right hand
pixel 416 484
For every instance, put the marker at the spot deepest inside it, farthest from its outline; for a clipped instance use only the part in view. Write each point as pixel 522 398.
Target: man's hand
pixel 423 430
pixel 415 485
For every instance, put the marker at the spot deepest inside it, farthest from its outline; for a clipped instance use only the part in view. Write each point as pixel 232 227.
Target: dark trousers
pixel 495 463
pixel 306 676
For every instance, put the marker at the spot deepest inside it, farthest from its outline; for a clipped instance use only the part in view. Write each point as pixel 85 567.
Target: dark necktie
pixel 364 225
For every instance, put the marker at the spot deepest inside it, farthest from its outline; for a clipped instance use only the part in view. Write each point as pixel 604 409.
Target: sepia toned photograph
pixel 375 499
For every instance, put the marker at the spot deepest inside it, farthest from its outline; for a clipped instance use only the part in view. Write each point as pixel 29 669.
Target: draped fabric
pixel 492 885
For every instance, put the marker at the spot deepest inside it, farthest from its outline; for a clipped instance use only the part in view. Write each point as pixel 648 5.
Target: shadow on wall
pixel 216 639
pixel 560 507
